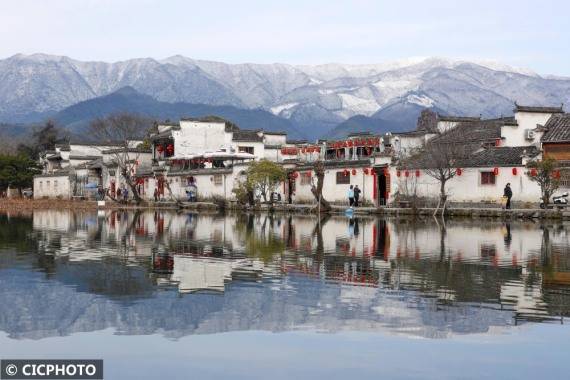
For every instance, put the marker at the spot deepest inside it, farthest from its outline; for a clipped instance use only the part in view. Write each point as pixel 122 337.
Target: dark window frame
pixel 488 178
pixel 342 179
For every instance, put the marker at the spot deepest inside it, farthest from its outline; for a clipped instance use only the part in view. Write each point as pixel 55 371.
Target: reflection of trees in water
pixel 271 238
pixel 261 236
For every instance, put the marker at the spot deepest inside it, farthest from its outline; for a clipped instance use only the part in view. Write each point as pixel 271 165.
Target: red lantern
pixel 417 173
pixel 353 171
pixel 533 172
pixel 497 142
pixel 387 172
pixel 160 148
pixel 295 174
pixel 514 171
pixel 398 173
pixel 496 171
pixel 350 143
pixel 556 174
pixel 346 172
pixel 407 173
pixel 365 170
pixel 459 171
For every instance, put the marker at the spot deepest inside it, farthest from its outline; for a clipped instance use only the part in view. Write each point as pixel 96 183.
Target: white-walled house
pixel 80 169
pixel 482 177
pixel 528 125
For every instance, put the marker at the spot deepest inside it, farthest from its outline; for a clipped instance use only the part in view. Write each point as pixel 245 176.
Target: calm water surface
pixel 162 295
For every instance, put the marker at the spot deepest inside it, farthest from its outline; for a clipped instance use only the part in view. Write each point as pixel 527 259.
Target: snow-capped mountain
pixel 312 97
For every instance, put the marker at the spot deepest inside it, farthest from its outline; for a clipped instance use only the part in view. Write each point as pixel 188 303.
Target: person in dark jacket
pixel 508 193
pixel 356 195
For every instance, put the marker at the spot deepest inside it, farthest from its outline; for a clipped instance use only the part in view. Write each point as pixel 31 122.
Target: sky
pixel 521 33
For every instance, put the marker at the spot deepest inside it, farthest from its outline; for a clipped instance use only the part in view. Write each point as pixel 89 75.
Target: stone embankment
pixel 23 205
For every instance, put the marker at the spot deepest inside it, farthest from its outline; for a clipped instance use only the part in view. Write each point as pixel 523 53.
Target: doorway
pixel 382 189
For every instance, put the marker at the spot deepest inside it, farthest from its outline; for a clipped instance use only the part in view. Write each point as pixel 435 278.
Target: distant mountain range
pixel 78 116
pixel 322 100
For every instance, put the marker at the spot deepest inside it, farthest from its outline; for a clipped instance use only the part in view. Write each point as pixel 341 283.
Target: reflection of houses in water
pixel 193 274
pixel 506 262
pixel 89 235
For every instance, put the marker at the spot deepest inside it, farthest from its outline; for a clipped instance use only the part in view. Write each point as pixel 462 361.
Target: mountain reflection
pixel 176 274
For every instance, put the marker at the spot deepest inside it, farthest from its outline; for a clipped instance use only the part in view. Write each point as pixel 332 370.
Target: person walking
pixel 155 194
pixel 508 193
pixel 356 195
pixel 351 195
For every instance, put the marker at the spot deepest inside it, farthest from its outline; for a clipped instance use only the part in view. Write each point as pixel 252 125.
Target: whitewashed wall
pixel 52 187
pixel 515 135
pixel 198 137
pixel 332 191
pixel 271 139
pixel 468 187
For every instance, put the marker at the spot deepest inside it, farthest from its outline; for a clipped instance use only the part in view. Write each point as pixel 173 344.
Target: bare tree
pixel 121 134
pixel 317 189
pixel 441 163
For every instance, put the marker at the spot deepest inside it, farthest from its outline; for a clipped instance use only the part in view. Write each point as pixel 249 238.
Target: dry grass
pixel 19 204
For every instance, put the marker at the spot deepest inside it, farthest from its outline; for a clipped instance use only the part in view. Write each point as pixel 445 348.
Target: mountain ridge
pixel 77 117
pixel 315 99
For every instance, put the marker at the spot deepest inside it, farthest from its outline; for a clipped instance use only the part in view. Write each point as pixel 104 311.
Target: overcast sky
pixel 521 33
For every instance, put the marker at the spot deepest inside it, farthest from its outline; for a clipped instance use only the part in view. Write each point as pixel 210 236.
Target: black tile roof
pixel 519 108
pixel 83 157
pixel 471 132
pixel 506 120
pixel 161 135
pixel 502 156
pixel 130 150
pixel 280 133
pixel 557 129
pixel 247 135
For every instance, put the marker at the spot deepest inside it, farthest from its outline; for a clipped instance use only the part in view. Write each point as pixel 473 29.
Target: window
pixel 47 184
pixel 41 183
pixel 487 178
pixel 306 178
pixel 245 149
pixel 342 179
pixel 55 184
pixel 218 179
pixel 565 179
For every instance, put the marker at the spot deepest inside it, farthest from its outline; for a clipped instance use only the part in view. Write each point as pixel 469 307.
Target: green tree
pixel 545 172
pixel 264 176
pixel 17 171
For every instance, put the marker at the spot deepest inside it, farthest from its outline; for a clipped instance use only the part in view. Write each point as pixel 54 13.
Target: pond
pixel 167 295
